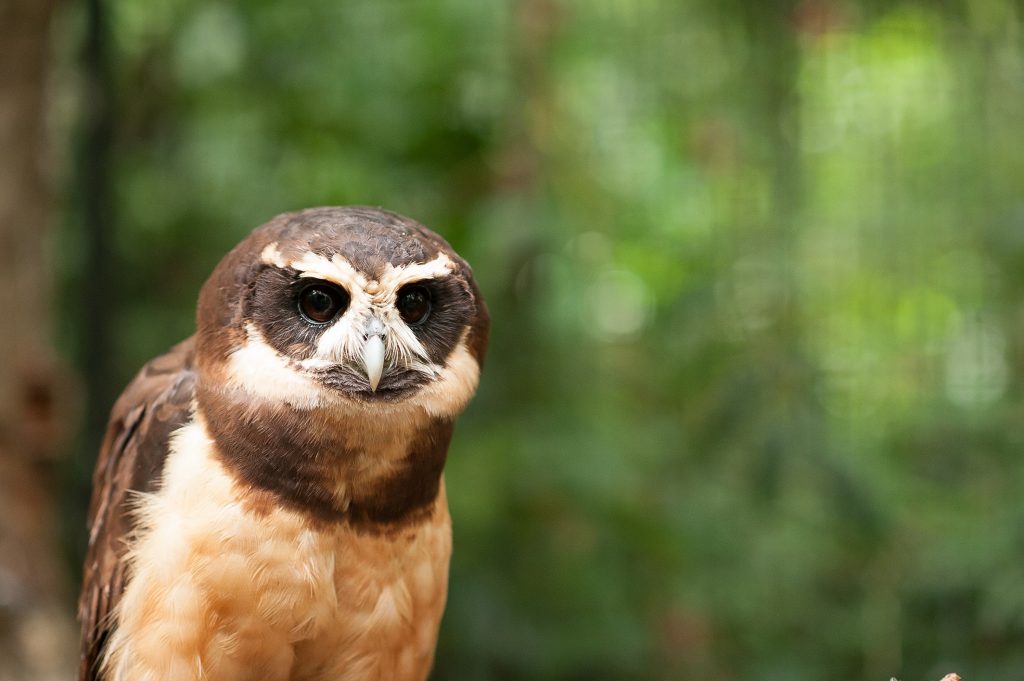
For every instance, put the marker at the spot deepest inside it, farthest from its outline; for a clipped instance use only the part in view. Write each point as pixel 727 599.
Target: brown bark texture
pixel 36 628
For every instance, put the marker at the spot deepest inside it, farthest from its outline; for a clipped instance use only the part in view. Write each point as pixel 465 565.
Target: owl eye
pixel 414 304
pixel 320 303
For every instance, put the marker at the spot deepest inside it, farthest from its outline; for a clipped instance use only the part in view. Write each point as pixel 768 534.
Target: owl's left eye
pixel 414 304
pixel 320 303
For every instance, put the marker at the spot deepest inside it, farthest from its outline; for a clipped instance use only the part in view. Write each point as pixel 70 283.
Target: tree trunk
pixel 37 636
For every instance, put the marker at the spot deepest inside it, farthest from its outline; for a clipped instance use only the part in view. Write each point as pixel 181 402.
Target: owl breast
pixel 222 587
pixel 390 594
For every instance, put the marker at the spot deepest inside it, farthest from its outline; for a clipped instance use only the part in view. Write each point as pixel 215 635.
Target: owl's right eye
pixel 321 302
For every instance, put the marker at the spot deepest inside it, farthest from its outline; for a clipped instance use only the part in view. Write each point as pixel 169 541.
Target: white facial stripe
pixel 261 371
pixel 343 340
pixel 402 345
pixel 456 382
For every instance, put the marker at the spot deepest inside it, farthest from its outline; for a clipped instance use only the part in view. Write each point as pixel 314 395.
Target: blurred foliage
pixel 753 402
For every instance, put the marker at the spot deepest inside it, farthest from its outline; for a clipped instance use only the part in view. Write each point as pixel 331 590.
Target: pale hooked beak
pixel 373 352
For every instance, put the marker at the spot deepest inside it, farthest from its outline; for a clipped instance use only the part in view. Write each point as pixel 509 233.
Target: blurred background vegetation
pixel 753 403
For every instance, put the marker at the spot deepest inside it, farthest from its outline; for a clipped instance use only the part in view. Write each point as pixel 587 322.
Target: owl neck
pixel 331 466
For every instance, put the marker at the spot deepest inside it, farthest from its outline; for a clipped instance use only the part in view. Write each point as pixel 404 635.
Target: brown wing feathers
pixel 155 404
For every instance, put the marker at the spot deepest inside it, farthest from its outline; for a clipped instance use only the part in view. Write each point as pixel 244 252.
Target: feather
pixel 134 450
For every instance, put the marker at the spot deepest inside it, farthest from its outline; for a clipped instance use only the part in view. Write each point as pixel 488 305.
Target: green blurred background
pixel 753 403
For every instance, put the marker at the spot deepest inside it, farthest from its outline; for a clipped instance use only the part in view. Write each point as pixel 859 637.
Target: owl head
pixel 343 308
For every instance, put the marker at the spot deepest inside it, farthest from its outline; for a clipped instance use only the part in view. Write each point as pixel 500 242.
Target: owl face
pixel 345 305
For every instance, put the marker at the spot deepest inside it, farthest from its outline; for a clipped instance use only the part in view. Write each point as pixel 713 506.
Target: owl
pixel 269 500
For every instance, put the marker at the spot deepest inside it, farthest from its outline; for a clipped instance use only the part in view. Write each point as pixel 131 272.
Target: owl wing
pixel 155 404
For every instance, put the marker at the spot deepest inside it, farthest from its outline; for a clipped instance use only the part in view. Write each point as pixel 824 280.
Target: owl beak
pixel 373 353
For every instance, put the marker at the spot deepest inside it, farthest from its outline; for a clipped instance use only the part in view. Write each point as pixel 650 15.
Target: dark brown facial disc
pixel 275 307
pixel 451 308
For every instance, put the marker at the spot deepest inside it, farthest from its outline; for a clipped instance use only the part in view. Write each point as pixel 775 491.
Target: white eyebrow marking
pixel 340 271
pixel 272 256
pixel 336 268
pixel 396 277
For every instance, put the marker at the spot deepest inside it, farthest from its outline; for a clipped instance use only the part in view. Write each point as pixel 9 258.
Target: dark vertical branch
pixel 94 187
pixel 773 68
pixel 93 307
pixel 770 78
pixel 520 176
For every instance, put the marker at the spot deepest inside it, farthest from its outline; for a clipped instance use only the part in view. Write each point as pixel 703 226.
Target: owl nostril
pixel 374 327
